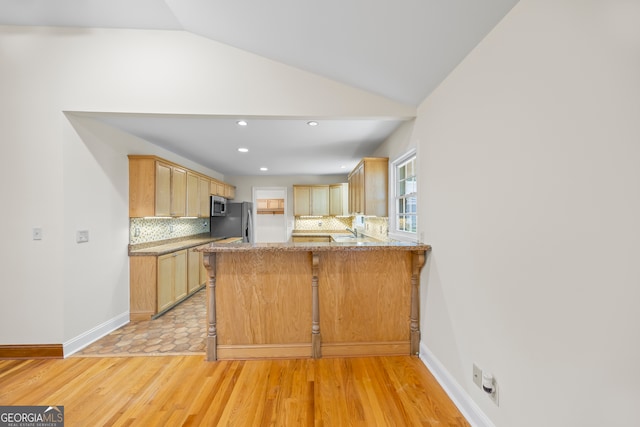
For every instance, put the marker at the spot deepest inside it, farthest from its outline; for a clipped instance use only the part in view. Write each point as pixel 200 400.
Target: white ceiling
pixel 401 49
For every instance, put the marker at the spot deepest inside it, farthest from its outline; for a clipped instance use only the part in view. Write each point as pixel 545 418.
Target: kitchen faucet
pixel 354 232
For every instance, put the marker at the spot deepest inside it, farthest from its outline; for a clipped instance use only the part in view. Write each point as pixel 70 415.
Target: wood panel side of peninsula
pixel 312 300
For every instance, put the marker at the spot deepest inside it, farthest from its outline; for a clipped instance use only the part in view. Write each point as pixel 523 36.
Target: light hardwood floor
pixel 187 391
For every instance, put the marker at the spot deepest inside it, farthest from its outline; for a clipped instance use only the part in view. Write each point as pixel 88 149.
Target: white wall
pixel 529 193
pixel 66 172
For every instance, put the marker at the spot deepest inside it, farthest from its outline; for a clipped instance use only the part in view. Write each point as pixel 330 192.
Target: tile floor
pixel 181 330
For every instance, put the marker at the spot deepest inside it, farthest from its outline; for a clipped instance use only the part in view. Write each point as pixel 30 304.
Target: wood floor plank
pixel 188 391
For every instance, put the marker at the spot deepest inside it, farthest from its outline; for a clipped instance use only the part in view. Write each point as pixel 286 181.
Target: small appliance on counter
pixel 237 222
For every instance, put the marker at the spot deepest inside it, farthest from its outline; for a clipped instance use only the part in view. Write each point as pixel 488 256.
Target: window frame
pixel 394 233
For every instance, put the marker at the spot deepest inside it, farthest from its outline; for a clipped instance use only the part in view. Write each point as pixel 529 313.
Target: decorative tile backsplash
pixel 376 227
pixel 329 223
pixel 143 230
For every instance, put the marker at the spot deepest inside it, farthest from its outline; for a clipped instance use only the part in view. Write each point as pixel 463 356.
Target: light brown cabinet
pixel 222 189
pixel 368 187
pixel 159 282
pixel 270 206
pixel 205 197
pixel 170 191
pixel 172 279
pixel 195 278
pixel 339 199
pixel 311 200
pixel 193 194
pixel 158 187
pixel 198 196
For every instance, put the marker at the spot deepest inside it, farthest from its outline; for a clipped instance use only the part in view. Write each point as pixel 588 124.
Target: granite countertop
pixel 167 246
pixel 314 247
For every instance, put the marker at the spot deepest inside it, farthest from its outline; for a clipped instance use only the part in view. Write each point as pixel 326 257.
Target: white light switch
pixel 82 236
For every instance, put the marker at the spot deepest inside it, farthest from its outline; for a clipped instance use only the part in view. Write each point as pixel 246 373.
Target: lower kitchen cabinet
pixel 172 279
pixel 197 274
pixel 159 282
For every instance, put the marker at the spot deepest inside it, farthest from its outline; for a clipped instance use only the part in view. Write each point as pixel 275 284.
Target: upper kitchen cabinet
pixel 222 189
pixel 204 191
pixel 368 187
pixel 156 187
pixel 310 200
pixel 339 199
pixel 198 193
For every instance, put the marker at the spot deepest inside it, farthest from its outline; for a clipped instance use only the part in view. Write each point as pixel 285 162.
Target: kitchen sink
pixel 352 239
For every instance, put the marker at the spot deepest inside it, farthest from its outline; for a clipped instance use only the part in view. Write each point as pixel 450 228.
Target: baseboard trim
pixel 81 341
pixel 458 395
pixel 262 351
pixel 31 351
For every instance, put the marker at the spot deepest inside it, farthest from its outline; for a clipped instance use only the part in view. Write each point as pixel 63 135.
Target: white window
pixel 406 196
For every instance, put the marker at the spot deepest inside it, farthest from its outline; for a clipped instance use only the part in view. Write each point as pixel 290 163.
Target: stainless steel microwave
pixel 218 206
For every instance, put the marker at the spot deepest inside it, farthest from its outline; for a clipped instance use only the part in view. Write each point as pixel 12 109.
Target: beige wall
pixel 529 187
pixel 64 172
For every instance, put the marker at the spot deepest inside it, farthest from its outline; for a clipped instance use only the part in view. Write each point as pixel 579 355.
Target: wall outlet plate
pixel 82 236
pixel 477 376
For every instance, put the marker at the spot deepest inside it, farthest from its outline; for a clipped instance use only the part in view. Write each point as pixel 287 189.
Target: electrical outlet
pixel 82 236
pixel 37 233
pixel 477 376
pixel 477 380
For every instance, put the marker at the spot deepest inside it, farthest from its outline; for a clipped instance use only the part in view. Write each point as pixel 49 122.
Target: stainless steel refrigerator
pixel 238 222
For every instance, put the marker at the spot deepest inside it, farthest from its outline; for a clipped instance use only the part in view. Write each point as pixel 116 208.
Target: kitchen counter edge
pixel 166 248
pixel 313 247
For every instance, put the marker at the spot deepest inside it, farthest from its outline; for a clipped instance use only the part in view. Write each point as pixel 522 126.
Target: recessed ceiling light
pixel 264 169
pixel 242 122
pixel 343 167
pixel 312 123
pixel 243 150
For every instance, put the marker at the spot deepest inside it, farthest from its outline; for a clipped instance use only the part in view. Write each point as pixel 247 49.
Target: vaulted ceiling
pixel 400 49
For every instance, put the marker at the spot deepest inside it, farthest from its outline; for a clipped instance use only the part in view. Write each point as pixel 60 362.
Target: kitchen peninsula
pixel 312 299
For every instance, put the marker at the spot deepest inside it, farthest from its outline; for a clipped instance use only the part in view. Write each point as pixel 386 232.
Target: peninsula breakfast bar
pixel 312 299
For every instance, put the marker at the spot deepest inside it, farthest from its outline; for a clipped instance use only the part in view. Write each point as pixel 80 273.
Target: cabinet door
pixel 178 192
pixel 205 193
pixel 356 190
pixel 193 275
pixel 229 192
pixel 180 271
pixel 217 188
pixel 165 281
pixel 193 195
pixel 204 275
pixel 320 200
pixel 301 200
pixel 163 189
pixel 336 199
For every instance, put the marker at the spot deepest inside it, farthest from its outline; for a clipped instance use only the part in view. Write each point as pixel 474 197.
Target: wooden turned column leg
pixel 316 352
pixel 418 258
pixel 212 334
